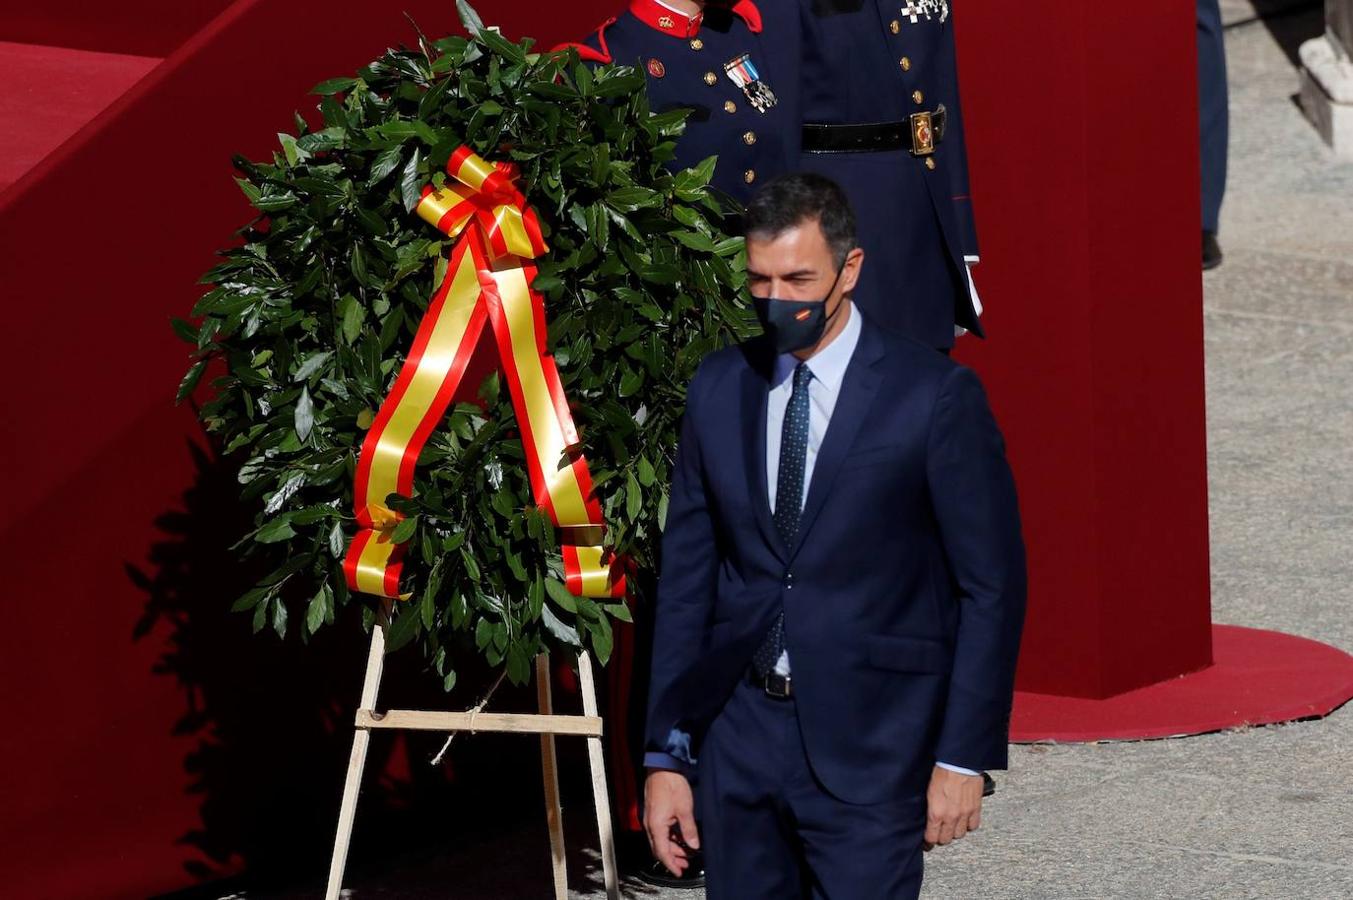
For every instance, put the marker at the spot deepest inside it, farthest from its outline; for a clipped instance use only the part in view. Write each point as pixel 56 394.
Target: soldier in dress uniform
pixel 735 65
pixel 882 118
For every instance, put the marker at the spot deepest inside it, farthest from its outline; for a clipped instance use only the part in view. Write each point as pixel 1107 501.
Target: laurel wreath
pixel 310 315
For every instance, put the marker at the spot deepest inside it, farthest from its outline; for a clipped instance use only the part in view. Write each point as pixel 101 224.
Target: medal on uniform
pixel 742 72
pixel 915 9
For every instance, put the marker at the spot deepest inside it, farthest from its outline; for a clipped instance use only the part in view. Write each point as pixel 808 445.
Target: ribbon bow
pixel 488 280
pixel 486 194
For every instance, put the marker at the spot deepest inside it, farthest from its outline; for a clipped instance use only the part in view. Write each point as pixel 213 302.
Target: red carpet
pixel 50 92
pixel 1257 678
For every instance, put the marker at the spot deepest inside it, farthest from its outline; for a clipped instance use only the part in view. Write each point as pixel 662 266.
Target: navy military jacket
pixel 734 67
pixel 868 61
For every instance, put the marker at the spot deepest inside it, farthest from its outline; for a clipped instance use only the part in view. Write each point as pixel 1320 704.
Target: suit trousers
pixel 769 829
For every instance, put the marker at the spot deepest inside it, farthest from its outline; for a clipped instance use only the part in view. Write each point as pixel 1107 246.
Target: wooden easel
pixel 545 724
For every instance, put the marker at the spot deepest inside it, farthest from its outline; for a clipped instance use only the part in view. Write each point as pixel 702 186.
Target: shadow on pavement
pixel 1290 22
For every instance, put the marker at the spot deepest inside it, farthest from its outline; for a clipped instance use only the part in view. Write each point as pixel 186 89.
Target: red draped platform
pixel 1257 677
pixel 50 93
pixel 1082 137
pixel 1086 191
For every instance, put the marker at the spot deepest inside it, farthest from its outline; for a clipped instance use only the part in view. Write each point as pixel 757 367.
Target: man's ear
pixel 850 273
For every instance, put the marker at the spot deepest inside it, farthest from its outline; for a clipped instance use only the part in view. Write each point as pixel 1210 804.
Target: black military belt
pixel 919 134
pixel 774 684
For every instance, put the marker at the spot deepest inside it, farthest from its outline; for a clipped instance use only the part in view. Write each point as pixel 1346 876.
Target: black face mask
pixel 795 324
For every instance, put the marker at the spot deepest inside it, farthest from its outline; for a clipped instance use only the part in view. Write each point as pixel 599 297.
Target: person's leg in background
pixel 1212 123
pixel 627 701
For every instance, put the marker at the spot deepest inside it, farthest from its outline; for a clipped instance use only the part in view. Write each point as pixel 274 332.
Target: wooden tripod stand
pixel 544 723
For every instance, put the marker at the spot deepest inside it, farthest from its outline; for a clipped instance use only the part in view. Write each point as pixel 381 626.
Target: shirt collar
pixel 661 17
pixel 830 364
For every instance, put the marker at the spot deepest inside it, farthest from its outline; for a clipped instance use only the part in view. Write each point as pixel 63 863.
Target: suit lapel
pixel 858 390
pixel 755 392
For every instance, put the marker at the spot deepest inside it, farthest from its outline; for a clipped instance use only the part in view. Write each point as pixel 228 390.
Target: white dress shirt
pixel 828 366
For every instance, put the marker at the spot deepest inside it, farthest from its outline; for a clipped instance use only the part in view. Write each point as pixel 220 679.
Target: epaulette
pixel 591 54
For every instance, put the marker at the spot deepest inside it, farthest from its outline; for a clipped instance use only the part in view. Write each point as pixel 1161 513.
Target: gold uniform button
pixel 729 106
pixel 930 163
pixel 749 138
pixel 749 176
pixel 697 44
pixel 711 79
pixel 917 97
pixel 894 26
pixel 905 63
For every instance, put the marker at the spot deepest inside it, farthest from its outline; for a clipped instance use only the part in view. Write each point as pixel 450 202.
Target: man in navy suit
pixel 842 589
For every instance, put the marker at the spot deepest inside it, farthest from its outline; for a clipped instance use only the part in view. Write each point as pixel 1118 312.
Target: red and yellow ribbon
pixel 488 280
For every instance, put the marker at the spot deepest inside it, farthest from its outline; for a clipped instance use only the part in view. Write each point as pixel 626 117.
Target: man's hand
pixel 668 802
pixel 953 806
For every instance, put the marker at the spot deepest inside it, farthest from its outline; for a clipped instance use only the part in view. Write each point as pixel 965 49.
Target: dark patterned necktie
pixel 788 500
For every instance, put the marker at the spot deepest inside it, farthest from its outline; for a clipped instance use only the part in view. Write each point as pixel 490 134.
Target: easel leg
pixel 375 661
pixel 600 795
pixel 554 813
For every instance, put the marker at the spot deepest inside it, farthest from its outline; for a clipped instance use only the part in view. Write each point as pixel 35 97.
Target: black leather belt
pixel 919 135
pixel 780 687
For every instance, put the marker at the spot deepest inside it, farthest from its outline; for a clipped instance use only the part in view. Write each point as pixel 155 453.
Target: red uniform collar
pixel 669 21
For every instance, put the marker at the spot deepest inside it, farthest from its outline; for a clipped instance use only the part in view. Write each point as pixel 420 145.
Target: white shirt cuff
pixel 959 769
pixel 972 285
pixel 970 261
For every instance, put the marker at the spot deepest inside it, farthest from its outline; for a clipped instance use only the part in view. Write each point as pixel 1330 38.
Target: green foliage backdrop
pixel 312 313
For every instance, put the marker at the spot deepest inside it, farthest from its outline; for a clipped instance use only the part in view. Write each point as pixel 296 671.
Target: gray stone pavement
pixel 1254 813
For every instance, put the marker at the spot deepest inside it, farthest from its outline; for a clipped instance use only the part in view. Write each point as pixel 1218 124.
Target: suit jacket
pixel 915 213
pixel 903 596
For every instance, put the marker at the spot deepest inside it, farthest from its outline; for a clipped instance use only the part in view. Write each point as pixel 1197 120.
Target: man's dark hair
pixel 791 200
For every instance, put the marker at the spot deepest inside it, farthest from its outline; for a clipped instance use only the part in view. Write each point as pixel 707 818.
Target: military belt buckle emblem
pixel 922 134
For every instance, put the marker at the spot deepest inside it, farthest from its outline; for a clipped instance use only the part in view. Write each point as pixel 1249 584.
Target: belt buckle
pixel 777 685
pixel 922 134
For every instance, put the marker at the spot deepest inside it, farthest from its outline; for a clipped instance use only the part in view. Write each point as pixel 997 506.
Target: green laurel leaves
pixel 310 316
